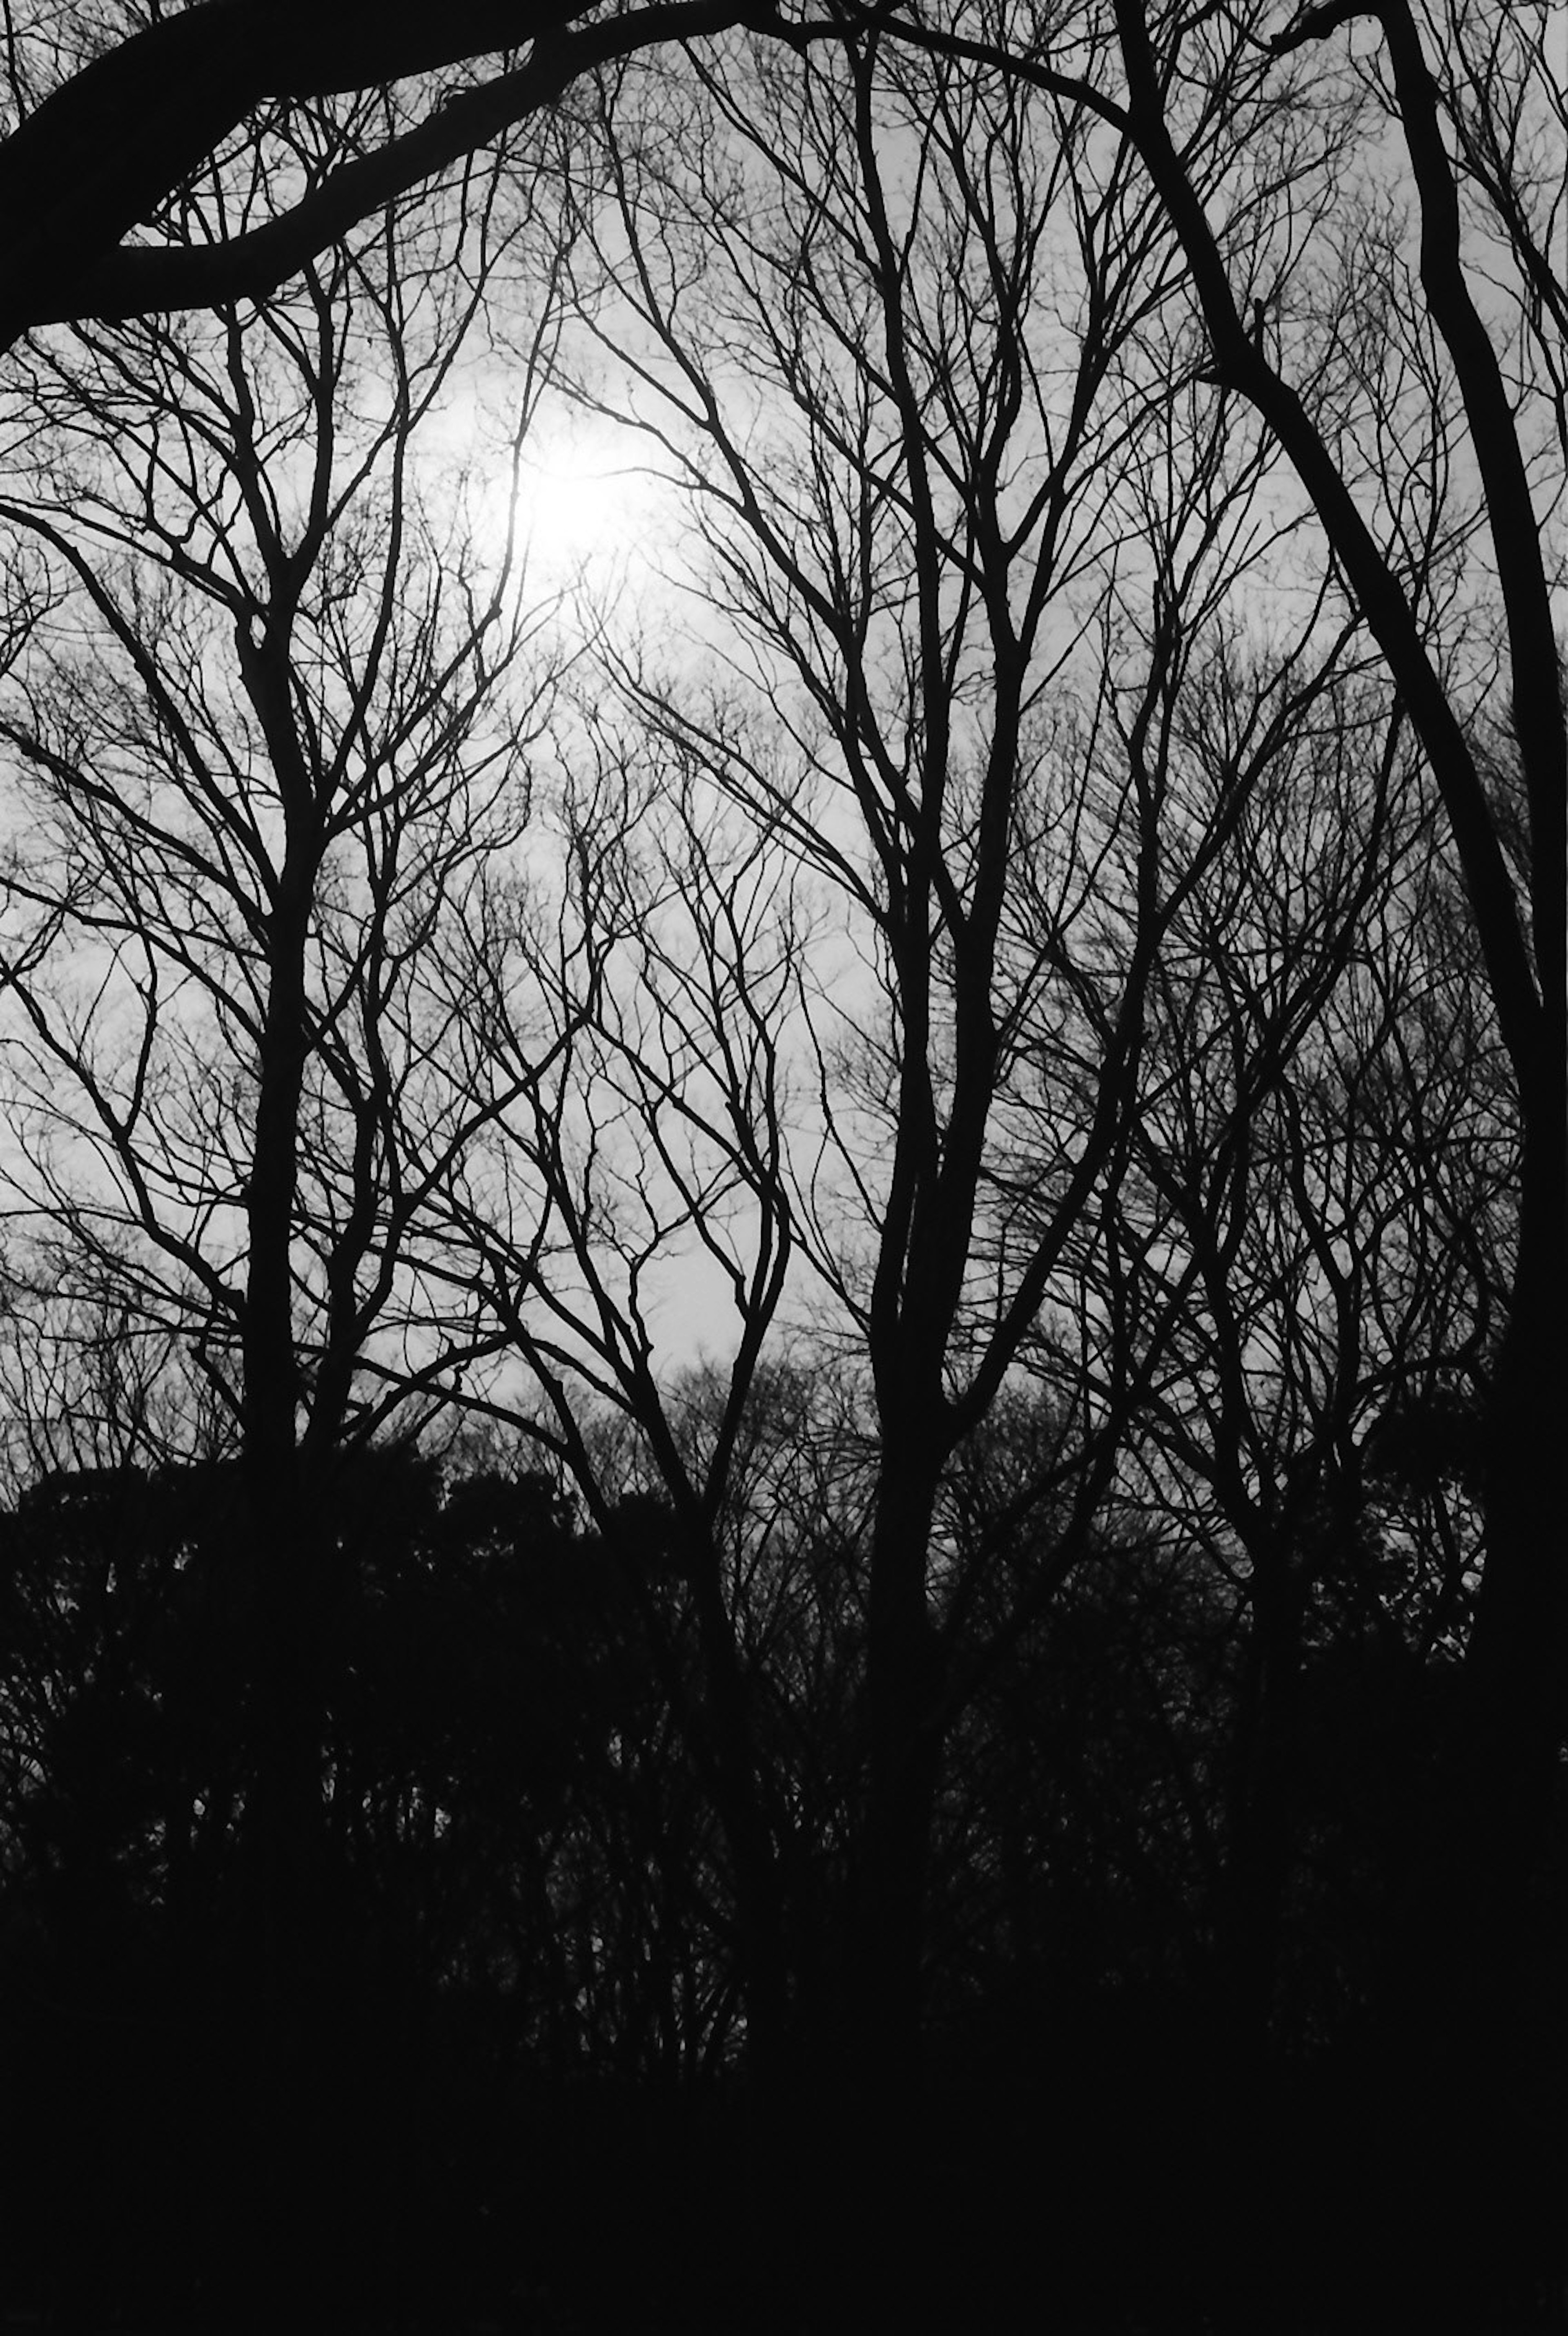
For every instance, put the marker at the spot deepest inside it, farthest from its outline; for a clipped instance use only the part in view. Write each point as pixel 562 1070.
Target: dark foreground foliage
pixel 526 2101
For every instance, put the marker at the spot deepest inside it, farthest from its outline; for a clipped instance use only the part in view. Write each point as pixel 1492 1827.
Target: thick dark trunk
pixel 1264 1822
pixel 904 1753
pixel 290 2109
pixel 292 2120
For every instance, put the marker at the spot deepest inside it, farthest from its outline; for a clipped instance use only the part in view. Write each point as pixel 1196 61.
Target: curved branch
pixel 104 150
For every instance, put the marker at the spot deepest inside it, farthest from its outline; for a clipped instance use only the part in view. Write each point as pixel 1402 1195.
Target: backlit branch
pixel 110 144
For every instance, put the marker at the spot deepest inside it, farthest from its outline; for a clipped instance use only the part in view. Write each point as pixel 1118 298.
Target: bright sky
pixel 586 510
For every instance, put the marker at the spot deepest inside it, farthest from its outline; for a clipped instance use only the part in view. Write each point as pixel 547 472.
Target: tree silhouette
pixel 259 791
pixel 1040 920
pixel 105 133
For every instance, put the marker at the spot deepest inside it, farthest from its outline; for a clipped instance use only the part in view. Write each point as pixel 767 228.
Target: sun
pixel 582 510
pixel 573 503
pixel 568 508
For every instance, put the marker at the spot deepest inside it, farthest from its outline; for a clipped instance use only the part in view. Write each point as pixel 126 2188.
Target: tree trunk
pixel 721 1731
pixel 904 1753
pixel 1264 1803
pixel 1263 1813
pixel 291 2111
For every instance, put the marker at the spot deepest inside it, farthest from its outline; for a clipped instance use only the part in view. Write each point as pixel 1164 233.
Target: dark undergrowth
pixel 1342 2202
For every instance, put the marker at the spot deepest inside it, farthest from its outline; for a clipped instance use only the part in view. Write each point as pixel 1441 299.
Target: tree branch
pixel 104 150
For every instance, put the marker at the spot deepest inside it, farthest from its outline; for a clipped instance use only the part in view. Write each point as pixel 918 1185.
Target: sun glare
pixel 579 509
pixel 582 511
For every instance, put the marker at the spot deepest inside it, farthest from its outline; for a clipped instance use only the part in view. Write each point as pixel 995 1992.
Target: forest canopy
pixel 782 1139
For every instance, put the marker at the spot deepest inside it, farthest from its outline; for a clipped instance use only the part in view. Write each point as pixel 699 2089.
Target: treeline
pixel 526 2010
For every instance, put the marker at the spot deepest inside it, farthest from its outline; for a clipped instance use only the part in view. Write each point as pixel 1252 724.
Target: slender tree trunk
pixel 725 1742
pixel 1263 1818
pixel 1266 1799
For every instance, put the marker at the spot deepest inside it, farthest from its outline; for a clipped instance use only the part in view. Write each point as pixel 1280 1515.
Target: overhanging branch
pixel 106 149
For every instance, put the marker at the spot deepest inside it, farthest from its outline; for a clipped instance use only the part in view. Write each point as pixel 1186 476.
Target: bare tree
pixel 616 1018
pixel 1517 899
pixel 110 117
pixel 271 719
pixel 1311 1240
pixel 967 545
pixel 1004 936
pixel 1424 434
